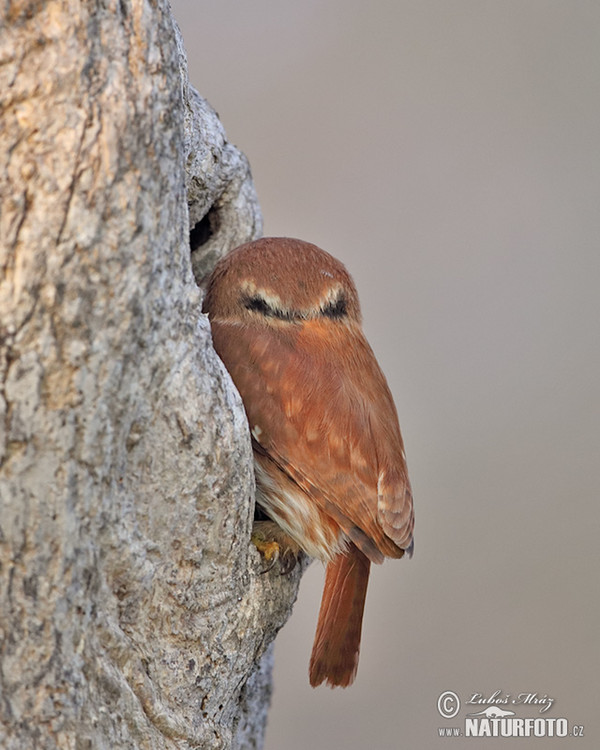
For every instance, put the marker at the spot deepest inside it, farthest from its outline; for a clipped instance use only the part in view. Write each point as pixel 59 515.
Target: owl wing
pixel 321 410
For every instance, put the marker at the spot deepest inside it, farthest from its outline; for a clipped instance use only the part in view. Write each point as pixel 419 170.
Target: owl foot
pixel 275 546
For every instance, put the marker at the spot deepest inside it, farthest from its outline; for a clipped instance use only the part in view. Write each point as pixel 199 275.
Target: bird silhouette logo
pixel 493 712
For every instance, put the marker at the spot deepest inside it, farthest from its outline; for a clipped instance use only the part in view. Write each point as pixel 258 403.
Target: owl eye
pixel 335 309
pixel 259 304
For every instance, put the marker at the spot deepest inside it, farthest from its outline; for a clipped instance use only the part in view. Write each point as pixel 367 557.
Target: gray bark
pixel 133 611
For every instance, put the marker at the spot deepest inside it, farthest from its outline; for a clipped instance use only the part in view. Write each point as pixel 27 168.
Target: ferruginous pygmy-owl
pixel 329 460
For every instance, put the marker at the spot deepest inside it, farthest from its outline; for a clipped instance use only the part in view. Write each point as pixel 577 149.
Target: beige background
pixel 448 153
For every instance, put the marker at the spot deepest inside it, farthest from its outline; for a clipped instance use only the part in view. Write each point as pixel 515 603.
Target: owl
pixel 329 458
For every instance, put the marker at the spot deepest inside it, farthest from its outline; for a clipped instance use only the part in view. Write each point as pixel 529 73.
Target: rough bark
pixel 133 612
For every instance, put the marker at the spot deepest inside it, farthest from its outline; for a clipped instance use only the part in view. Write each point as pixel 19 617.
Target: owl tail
pixel 337 641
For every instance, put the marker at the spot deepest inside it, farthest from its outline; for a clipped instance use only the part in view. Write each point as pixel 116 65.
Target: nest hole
pixel 204 229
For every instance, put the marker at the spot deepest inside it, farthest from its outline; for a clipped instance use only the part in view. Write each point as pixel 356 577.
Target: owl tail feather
pixel 335 651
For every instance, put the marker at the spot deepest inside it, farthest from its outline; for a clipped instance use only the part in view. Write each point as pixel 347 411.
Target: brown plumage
pixel 330 464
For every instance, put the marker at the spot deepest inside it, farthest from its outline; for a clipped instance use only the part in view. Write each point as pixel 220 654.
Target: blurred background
pixel 448 153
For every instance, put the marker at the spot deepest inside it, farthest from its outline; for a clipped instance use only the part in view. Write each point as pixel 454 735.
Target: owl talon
pixel 275 546
pixel 288 562
pixel 268 549
pixel 269 567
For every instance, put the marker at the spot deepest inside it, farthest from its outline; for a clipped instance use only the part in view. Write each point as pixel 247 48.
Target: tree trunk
pixel 133 612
